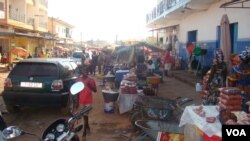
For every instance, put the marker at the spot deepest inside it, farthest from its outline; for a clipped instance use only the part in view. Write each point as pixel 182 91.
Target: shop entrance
pixel 233 36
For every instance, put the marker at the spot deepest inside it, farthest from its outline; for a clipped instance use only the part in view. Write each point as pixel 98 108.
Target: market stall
pixel 136 53
pixel 128 92
pixel 192 115
pixel 207 120
pixel 204 123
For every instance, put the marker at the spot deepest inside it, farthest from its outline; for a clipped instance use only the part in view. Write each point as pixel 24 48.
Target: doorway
pixel 233 36
pixel 192 37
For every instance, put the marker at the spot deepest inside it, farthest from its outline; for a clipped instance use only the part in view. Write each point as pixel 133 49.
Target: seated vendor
pixel 154 68
pixel 241 75
pixel 158 68
pixel 150 66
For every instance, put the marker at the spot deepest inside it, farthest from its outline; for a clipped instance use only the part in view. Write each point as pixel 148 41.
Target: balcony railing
pixel 30 21
pixel 162 7
pixel 44 3
pixel 17 16
pixel 43 25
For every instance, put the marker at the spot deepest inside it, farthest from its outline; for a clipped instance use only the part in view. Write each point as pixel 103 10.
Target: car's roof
pixel 77 51
pixel 46 60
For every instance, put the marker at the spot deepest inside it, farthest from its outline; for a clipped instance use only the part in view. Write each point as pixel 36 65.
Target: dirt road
pixel 104 126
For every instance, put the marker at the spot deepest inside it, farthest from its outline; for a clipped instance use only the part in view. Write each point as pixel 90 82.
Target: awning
pixel 61 48
pixel 236 4
pixel 19 51
pixel 31 35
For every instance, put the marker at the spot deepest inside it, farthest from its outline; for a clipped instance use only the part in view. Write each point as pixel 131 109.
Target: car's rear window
pixel 77 55
pixel 35 69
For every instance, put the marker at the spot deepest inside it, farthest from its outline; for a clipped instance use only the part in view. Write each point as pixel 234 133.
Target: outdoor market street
pixel 104 126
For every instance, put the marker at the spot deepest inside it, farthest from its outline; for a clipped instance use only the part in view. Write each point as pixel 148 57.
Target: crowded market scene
pixel 130 78
pixel 189 80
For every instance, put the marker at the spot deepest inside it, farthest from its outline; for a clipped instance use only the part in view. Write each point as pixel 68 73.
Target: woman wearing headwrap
pixel 217 79
pixel 241 74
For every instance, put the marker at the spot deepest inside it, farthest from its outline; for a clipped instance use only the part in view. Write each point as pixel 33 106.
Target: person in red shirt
pixel 86 97
pixel 167 62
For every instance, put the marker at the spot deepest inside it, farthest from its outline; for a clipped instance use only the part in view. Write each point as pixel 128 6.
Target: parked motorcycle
pixel 61 129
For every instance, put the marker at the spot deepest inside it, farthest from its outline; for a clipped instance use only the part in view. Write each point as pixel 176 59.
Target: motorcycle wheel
pixel 75 138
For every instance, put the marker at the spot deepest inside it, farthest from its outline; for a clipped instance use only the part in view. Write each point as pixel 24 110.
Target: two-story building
pixel 62 31
pixel 178 23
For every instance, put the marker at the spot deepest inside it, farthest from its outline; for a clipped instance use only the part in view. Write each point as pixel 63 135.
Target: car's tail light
pixel 57 85
pixel 7 82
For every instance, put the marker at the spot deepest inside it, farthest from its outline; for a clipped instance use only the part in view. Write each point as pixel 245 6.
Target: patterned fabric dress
pixel 216 79
pixel 242 76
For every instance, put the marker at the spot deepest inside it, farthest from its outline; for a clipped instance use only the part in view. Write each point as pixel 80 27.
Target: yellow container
pixel 154 80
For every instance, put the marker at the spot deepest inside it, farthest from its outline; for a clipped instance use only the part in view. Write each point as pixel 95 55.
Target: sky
pixel 103 19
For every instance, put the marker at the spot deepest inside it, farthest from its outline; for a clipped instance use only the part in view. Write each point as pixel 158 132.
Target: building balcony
pixel 30 2
pixel 30 21
pixel 44 3
pixel 174 10
pixel 18 19
pixel 17 16
pixel 43 25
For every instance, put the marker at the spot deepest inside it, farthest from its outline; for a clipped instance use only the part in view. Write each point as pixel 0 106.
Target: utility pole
pixel 116 39
pixel 81 39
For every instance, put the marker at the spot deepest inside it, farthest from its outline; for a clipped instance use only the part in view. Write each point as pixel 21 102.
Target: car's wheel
pixel 12 108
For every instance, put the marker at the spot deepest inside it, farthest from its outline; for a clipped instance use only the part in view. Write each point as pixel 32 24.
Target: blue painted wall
pixel 241 45
pixel 211 46
pixel 207 59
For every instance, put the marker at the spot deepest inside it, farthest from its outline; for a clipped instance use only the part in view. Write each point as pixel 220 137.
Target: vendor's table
pixel 126 102
pixel 209 131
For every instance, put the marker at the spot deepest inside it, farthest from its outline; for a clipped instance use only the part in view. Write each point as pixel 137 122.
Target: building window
pixel 1 6
pixel 161 40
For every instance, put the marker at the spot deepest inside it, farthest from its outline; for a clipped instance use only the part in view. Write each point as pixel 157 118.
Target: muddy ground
pixel 104 126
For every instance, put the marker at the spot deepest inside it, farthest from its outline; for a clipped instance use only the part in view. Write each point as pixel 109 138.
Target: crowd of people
pixel 161 65
pixel 93 60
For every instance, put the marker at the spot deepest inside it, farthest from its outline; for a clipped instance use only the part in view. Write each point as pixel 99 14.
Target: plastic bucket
pixel 198 87
pixel 110 95
pixel 109 107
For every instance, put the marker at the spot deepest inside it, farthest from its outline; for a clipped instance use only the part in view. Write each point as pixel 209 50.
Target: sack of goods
pixel 230 99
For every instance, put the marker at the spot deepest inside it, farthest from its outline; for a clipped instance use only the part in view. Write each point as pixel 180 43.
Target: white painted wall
pixel 207 21
pixel 60 30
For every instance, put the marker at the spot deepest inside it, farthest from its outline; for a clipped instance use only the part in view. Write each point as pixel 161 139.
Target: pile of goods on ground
pixel 230 104
pixel 230 99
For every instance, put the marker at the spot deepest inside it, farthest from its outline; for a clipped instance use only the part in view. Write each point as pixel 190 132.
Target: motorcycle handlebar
pixel 82 111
